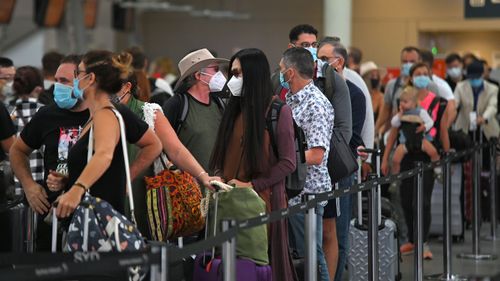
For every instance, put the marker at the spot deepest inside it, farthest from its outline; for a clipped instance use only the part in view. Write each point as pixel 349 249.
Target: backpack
pixel 294 182
pixel 437 101
pixel 184 109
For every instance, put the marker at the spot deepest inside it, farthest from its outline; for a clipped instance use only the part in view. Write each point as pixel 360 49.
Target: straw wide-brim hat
pixel 368 66
pixel 195 61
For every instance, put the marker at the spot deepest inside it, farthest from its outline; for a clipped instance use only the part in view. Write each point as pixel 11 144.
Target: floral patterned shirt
pixel 313 113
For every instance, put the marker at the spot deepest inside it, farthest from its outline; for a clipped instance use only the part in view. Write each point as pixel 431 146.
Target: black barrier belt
pixel 67 265
pixel 177 254
pixel 97 265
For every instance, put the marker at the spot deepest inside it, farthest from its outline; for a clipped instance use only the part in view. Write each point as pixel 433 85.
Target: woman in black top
pixel 98 76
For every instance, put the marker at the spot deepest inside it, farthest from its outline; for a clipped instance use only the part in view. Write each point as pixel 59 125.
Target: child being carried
pixel 415 116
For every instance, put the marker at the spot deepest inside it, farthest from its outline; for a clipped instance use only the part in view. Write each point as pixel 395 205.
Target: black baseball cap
pixel 475 70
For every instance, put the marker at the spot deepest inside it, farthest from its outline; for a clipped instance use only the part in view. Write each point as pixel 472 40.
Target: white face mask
pixel 217 82
pixel 320 64
pixel 235 84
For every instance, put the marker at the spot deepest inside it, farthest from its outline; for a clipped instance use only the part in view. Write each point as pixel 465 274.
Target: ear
pixel 127 87
pixel 92 78
pixel 197 75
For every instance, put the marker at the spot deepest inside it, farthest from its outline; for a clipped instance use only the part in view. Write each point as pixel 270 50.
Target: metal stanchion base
pixel 477 257
pixel 445 277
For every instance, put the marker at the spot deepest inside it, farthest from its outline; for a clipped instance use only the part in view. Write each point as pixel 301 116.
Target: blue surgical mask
pixel 421 81
pixel 284 83
pixel 476 82
pixel 313 51
pixel 63 96
pixel 76 88
pixel 405 69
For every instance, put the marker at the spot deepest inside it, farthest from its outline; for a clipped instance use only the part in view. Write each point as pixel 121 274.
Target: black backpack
pixel 441 103
pixel 294 182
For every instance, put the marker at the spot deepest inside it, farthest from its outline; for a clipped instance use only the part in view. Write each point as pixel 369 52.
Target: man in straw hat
pixel 194 112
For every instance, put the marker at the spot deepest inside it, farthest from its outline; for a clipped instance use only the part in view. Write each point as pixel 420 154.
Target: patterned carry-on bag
pixel 97 226
pixel 173 203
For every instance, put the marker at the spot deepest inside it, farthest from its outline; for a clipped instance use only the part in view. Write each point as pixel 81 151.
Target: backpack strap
pixel 329 82
pixel 220 103
pixel 184 106
pixel 433 104
pixel 395 88
pixel 273 115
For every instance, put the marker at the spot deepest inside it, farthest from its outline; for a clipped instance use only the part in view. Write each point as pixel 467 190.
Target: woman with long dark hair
pixel 243 154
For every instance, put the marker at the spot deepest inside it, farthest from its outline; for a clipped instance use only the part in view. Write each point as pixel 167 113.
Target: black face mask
pixel 375 83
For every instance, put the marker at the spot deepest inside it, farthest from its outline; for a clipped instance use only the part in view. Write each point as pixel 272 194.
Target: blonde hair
pixel 123 62
pixel 409 93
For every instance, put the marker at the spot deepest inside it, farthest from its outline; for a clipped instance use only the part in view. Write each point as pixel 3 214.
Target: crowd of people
pixel 210 120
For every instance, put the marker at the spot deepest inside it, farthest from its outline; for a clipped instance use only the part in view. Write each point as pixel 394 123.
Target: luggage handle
pixel 370 151
pixel 377 175
pixel 86 205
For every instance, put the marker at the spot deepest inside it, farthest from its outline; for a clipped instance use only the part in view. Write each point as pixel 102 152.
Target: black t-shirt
pixel 58 130
pixel 6 127
pixel 111 185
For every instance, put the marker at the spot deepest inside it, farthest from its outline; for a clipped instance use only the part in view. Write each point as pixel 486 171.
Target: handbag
pixel 173 203
pixel 96 225
pixel 341 160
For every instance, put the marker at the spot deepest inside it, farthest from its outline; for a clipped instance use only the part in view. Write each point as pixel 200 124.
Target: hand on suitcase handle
pixel 370 150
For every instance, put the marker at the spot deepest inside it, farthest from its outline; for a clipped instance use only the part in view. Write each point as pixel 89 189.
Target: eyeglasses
pixel 306 45
pixel 327 59
pixel 77 72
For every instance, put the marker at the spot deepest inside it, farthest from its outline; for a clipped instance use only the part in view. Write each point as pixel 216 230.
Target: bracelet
pixel 79 184
pixel 202 172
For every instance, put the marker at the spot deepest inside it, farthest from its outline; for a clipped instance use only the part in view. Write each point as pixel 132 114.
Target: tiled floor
pixel 470 269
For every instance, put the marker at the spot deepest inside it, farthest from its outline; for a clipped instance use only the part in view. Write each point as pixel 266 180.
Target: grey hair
pixel 328 40
pixel 301 60
pixel 338 48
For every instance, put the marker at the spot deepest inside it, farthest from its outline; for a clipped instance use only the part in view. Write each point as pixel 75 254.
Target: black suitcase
pixel 19 226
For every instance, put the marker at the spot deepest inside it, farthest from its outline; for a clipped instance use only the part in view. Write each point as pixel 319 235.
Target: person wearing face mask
pixel 371 75
pixel 56 128
pixel 335 54
pixel 195 112
pixel 409 56
pixel 477 102
pixel 99 74
pixel 420 79
pixel 314 114
pixel 253 162
pixel 7 72
pixel 454 70
pixel 306 36
pixel 153 115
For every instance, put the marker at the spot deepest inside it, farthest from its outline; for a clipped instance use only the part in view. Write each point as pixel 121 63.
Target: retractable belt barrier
pixel 46 266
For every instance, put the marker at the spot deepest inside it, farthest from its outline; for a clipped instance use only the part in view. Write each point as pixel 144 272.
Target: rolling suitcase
pixel 19 222
pixel 457 226
pixel 388 246
pixel 208 267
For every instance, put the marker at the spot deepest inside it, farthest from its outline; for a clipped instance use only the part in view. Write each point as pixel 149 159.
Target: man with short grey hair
pixel 314 114
pixel 333 53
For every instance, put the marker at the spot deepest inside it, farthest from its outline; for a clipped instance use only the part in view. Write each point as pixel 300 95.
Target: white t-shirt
pixel 368 131
pixel 444 90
